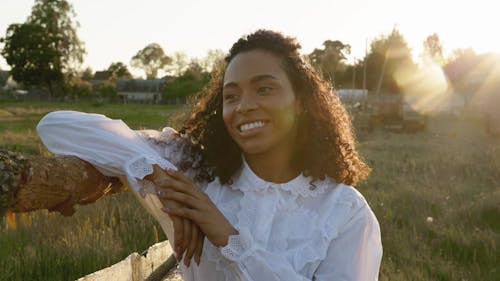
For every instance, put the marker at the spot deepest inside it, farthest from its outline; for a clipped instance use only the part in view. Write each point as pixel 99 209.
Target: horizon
pixel 217 25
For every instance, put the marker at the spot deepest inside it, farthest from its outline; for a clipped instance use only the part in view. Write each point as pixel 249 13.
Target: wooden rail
pixel 152 265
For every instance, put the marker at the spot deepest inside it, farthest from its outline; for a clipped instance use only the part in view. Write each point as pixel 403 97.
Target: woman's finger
pixel 186 236
pixel 199 246
pixel 192 245
pixel 179 176
pixel 180 197
pixel 178 235
pixel 174 184
pixel 184 212
pixel 191 186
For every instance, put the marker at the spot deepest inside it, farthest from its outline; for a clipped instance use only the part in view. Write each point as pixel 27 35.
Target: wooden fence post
pixel 56 183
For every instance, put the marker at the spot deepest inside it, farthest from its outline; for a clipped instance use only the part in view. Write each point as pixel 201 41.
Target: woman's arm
pixel 115 150
pixel 108 144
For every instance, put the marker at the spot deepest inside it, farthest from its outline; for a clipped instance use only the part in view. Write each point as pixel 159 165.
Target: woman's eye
pixel 264 90
pixel 230 97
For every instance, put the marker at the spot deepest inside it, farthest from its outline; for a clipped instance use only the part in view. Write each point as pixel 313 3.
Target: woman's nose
pixel 247 103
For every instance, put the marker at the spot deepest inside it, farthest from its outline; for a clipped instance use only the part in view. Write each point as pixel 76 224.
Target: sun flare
pixel 426 89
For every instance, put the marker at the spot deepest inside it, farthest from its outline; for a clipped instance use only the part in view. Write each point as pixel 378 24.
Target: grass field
pixel 436 195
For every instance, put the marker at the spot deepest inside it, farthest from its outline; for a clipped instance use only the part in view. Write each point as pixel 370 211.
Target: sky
pixel 115 30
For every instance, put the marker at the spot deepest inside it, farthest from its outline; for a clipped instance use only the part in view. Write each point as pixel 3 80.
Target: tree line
pixel 45 52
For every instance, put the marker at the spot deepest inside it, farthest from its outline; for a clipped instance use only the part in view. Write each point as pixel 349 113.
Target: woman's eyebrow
pixel 253 80
pixel 261 77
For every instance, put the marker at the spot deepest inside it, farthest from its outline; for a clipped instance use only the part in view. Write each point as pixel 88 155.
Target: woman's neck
pixel 274 167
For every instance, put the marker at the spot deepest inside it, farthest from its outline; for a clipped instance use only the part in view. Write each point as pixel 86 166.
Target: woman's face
pixel 260 109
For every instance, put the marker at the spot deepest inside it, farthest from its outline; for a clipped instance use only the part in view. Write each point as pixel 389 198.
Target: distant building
pixel 352 95
pixel 139 90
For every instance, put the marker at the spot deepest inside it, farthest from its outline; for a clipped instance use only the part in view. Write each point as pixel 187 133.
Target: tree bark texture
pixel 56 183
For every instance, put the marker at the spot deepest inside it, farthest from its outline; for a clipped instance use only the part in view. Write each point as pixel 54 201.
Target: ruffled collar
pixel 247 180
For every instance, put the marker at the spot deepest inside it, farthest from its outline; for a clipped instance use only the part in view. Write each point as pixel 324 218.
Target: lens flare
pixel 485 78
pixel 427 89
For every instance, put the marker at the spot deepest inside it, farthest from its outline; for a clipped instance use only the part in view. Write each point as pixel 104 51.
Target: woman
pixel 263 167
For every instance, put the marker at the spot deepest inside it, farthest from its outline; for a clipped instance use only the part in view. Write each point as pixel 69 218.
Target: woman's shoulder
pixel 168 141
pixel 335 193
pixel 338 202
pixel 348 206
pixel 167 135
pixel 174 147
pixel 349 195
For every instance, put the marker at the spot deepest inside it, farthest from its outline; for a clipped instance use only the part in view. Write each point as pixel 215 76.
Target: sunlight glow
pixel 425 90
pixel 487 93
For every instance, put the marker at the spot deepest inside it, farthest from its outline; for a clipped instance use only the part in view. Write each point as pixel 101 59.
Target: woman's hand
pixel 188 237
pixel 197 207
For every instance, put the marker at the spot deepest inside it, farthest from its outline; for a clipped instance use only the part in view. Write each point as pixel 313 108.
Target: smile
pixel 249 126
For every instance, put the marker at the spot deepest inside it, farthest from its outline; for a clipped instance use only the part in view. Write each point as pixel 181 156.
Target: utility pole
pixel 381 77
pixel 364 65
pixel 354 74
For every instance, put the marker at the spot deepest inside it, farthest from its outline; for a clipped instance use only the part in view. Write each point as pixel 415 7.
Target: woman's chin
pixel 250 150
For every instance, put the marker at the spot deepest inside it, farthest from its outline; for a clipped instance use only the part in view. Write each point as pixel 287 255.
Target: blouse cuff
pixel 238 246
pixel 139 167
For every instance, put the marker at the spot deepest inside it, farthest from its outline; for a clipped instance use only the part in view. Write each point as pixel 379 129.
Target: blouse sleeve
pixel 254 263
pixel 110 146
pixel 354 254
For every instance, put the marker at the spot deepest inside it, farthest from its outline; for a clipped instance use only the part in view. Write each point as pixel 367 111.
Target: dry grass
pixel 451 173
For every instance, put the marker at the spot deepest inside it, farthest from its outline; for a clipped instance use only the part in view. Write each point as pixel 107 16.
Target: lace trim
pixel 314 244
pixel 238 246
pixel 303 190
pixel 224 258
pixel 300 186
pixel 138 168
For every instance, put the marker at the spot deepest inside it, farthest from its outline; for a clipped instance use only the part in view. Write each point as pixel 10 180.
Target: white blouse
pixel 287 231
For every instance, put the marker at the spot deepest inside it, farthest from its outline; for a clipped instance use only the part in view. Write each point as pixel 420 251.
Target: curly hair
pixel 326 145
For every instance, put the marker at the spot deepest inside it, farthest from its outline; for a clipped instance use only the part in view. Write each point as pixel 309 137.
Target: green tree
pixel 352 77
pixel 151 59
pixel 78 87
pixel 106 89
pixel 190 82
pixel 213 58
pixel 118 70
pixel 388 57
pixel 87 74
pixel 433 49
pixel 179 64
pixel 458 69
pixel 331 59
pixel 40 50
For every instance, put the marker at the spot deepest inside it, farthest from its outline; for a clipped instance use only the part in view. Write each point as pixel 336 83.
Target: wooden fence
pixel 152 265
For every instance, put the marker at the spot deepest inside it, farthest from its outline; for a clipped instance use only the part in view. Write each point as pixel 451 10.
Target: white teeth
pixel 249 126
